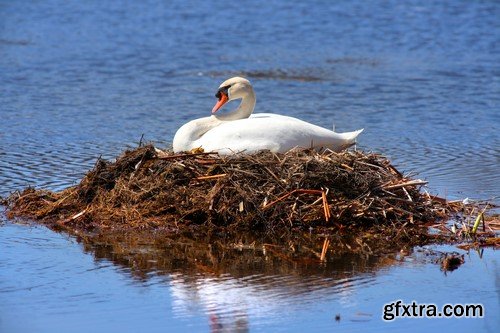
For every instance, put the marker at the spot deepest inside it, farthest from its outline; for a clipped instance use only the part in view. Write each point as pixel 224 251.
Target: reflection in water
pixel 186 285
pixel 232 279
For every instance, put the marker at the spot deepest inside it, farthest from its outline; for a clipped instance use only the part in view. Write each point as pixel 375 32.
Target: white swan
pixel 240 131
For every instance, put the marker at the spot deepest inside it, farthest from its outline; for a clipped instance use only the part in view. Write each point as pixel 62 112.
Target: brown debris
pixel 451 261
pixel 148 189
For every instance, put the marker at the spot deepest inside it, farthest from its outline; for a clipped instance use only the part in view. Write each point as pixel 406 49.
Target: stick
pixel 326 243
pixel 407 194
pixel 272 174
pixel 410 183
pixel 290 193
pixel 211 177
pixel 74 217
pixel 326 208
pixel 347 167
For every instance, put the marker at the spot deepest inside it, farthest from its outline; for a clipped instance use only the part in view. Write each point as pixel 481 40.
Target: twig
pixel 326 244
pixel 272 174
pixel 290 193
pixel 410 183
pixel 326 208
pixel 74 217
pixel 211 177
pixel 346 167
pixel 407 194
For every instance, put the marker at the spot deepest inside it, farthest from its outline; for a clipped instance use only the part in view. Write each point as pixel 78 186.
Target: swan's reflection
pixel 231 280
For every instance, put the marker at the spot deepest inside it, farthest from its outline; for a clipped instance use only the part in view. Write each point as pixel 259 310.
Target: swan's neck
pixel 244 110
pixel 186 137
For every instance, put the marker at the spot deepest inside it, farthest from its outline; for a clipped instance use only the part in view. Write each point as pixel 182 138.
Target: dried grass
pixel 147 189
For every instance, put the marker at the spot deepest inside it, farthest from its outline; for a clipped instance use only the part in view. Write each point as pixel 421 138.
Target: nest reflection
pixel 218 255
pixel 231 278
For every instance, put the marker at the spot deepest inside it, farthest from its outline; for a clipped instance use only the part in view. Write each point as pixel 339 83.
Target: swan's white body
pixel 242 131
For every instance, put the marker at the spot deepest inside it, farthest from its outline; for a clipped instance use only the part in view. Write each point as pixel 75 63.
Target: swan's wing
pixel 273 132
pixel 271 115
pixel 246 135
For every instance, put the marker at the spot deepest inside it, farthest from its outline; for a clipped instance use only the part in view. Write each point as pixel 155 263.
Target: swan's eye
pixel 222 90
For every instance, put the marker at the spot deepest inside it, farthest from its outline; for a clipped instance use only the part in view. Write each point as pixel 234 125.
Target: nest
pixel 149 189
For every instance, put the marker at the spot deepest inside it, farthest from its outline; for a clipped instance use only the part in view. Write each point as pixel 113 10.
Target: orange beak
pixel 223 100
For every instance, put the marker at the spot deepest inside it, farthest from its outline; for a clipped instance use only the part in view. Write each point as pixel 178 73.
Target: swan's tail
pixel 349 138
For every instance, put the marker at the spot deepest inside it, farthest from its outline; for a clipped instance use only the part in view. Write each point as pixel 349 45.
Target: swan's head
pixel 234 88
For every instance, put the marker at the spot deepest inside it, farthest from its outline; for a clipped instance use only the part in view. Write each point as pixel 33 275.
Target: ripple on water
pixel 260 297
pixel 53 167
pixel 453 172
pixel 333 70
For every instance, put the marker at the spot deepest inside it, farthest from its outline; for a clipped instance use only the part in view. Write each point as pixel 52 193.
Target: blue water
pixel 82 79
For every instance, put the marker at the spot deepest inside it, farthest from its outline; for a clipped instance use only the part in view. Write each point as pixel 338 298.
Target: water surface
pixel 79 80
